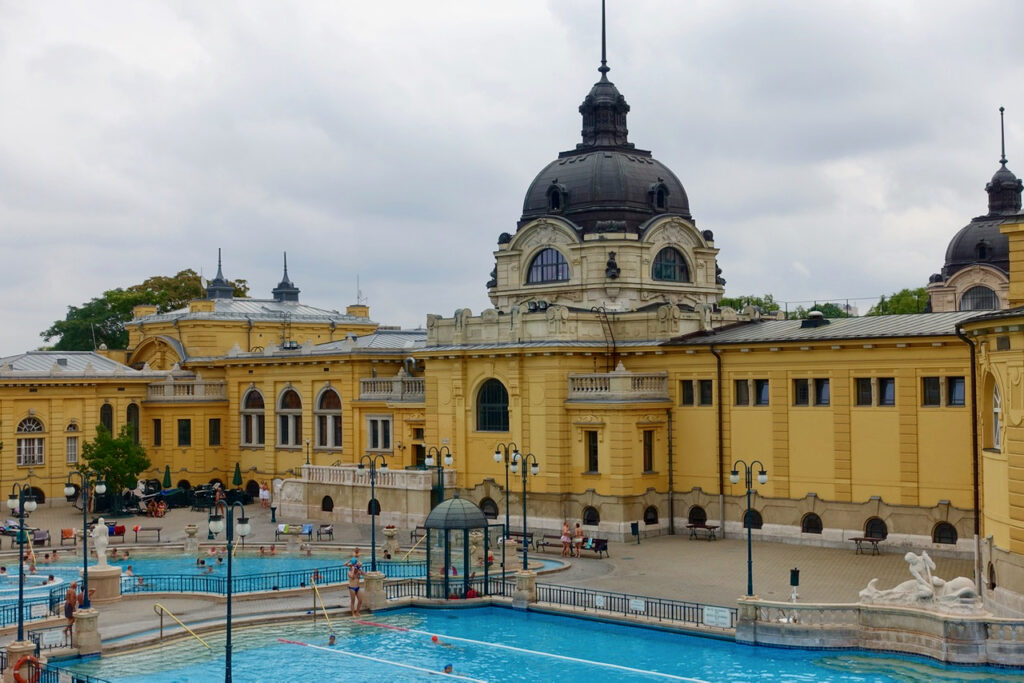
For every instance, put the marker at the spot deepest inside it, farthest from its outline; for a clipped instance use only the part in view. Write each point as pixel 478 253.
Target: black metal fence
pixel 662 609
pixel 36 607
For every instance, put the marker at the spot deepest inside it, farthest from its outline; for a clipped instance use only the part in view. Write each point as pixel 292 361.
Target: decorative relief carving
pixel 558 318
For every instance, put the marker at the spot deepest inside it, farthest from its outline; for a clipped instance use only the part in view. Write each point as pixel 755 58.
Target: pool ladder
pixel 161 610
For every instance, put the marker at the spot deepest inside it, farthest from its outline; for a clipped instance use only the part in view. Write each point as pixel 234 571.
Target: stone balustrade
pixel 351 475
pixel 186 390
pixel 620 385
pixel 398 388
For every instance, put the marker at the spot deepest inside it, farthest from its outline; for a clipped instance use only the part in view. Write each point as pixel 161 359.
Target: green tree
pixel 828 309
pixel 117 461
pixel 766 303
pixel 903 301
pixel 102 319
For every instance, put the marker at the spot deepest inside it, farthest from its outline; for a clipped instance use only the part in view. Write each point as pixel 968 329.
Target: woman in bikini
pixel 565 539
pixel 355 599
pixel 577 539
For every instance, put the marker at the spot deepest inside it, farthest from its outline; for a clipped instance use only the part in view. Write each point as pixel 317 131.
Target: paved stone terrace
pixel 677 567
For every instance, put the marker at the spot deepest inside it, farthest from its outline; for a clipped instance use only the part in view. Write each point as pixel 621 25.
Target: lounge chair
pixel 325 531
pixel 69 535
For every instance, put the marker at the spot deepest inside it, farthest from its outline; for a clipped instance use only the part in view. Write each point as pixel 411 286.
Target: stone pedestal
pixel 87 635
pixel 526 588
pixel 511 545
pixel 191 542
pixel 16 651
pixel 373 586
pixel 476 549
pixel 390 542
pixel 106 582
pixel 293 543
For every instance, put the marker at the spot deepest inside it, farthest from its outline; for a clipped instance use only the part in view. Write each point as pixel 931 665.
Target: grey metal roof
pixel 543 344
pixel 402 341
pixel 65 363
pixel 997 315
pixel 256 309
pixel 456 513
pixel 867 327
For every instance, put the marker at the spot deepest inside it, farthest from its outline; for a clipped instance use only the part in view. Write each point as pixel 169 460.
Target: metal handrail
pixel 161 610
pixel 317 596
pixel 417 544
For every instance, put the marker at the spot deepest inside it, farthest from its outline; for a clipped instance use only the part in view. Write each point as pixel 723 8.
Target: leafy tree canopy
pixel 903 301
pixel 766 303
pixel 103 318
pixel 829 310
pixel 118 461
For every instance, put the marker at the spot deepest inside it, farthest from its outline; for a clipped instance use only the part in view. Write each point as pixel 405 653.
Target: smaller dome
pixel 456 513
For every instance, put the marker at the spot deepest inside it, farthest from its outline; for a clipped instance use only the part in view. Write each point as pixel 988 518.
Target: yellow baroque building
pixel 607 357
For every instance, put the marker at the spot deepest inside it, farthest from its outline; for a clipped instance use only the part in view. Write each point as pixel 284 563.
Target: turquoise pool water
pixel 497 644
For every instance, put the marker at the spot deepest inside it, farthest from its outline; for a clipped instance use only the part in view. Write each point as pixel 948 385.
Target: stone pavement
pixel 677 567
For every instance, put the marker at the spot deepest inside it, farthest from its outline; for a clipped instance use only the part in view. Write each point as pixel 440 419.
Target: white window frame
pixel 71 444
pixel 328 423
pixel 379 433
pixel 31 450
pixel 291 421
pixel 253 418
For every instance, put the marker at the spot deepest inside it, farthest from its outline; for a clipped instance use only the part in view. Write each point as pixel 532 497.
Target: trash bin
pixel 794 577
pixel 634 528
pixel 273 514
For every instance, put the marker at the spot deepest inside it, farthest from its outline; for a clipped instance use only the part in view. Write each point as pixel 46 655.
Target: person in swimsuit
pixel 70 603
pixel 577 539
pixel 565 539
pixel 355 599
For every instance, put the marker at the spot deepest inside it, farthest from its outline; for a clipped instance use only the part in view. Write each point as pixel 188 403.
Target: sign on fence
pixel 52 638
pixel 637 604
pixel 39 610
pixel 599 601
pixel 719 617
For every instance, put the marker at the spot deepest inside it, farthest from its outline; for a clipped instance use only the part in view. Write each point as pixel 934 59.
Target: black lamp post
pixel 307 451
pixel 216 524
pixel 534 470
pixel 383 467
pixel 69 492
pixel 442 453
pixel 762 478
pixel 502 452
pixel 21 501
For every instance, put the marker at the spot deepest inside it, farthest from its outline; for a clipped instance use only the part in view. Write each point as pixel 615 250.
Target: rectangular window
pixel 801 393
pixel 158 433
pixel 931 391
pixel 761 392
pixel 742 392
pixel 417 433
pixel 72 450
pixel 214 431
pixel 591 438
pixel 184 432
pixel 30 451
pixel 686 392
pixel 863 391
pixel 955 387
pixel 648 450
pixel 378 429
pixel 821 392
pixel 886 391
pixel 706 392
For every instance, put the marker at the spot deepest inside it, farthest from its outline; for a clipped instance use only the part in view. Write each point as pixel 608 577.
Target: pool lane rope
pixel 512 648
pixel 349 653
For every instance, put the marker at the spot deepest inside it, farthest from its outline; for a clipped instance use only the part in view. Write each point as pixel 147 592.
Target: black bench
pixel 417 533
pixel 861 540
pixel 598 545
pixel 549 541
pixel 147 530
pixel 518 535
pixel 708 530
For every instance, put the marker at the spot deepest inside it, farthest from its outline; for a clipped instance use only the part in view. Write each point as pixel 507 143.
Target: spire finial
pixel 286 265
pixel 220 273
pixel 218 258
pixel 1002 137
pixel 604 61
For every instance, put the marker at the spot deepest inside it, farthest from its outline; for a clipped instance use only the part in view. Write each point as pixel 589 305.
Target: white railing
pixel 351 475
pixel 619 386
pixel 412 389
pixel 187 390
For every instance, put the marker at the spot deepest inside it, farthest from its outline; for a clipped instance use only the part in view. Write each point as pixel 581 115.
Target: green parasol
pixel 167 476
pixel 237 479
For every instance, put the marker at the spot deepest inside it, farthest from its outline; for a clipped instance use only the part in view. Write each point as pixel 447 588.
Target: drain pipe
pixel 721 441
pixel 974 460
pixel 671 484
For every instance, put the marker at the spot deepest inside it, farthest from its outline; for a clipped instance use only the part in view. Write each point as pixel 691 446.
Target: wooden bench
pixel 69 535
pixel 417 533
pixel 709 530
pixel 518 535
pixel 861 540
pixel 598 545
pixel 147 529
pixel 293 530
pixel 549 541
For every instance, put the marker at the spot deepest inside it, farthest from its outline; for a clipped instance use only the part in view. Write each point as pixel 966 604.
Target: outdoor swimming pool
pixel 500 644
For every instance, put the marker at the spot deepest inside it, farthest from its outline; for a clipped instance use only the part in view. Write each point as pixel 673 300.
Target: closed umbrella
pixel 237 479
pixel 167 476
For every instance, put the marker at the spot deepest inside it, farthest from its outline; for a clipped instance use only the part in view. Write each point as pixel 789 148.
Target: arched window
pixel 875 528
pixel 38 493
pixel 651 515
pixel 979 298
pixel 253 419
pixel 981 250
pixel 670 265
pixel 554 199
pixel 489 508
pixel 660 198
pixel 591 517
pixel 752 519
pixel 132 418
pixel 184 484
pixel 697 515
pixel 997 410
pixel 492 407
pixel 71 443
pixel 327 504
pixel 31 448
pixel 548 266
pixel 328 419
pixel 373 507
pixel 107 417
pixel 944 532
pixel 289 419
pixel 811 524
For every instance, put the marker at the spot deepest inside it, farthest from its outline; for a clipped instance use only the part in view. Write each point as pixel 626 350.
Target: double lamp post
pixel 69 492
pixel 21 499
pixel 216 524
pixel 371 460
pixel 762 478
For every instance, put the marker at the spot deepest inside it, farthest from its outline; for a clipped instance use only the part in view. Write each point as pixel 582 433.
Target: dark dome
pixel 978 242
pixel 456 513
pixel 606 183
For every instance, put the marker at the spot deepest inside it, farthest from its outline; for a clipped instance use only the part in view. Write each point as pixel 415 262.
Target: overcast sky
pixel 833 148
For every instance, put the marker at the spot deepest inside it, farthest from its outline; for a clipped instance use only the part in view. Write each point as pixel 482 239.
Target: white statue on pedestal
pixel 925 590
pixel 99 542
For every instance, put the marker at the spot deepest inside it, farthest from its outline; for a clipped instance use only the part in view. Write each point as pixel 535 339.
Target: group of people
pixel 572 546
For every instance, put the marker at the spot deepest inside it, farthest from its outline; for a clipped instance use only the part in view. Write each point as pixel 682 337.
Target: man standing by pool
pixel 355 599
pixel 70 604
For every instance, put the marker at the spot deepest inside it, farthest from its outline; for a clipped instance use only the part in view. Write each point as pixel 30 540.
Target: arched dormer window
pixel 981 250
pixel 253 419
pixel 492 407
pixel 670 265
pixel 658 193
pixel 328 419
pixel 289 419
pixel 31 444
pixel 979 298
pixel 548 266
pixel 557 196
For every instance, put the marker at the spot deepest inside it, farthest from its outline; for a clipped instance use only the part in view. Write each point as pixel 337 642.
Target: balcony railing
pixel 619 386
pixel 351 475
pixel 398 388
pixel 187 390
